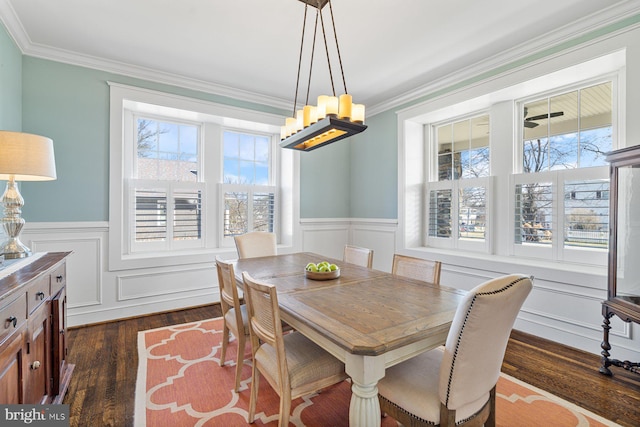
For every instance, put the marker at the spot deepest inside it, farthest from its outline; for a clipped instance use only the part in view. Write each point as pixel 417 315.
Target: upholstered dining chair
pixel 357 255
pixel 234 314
pixel 292 364
pixel 256 244
pixel 416 268
pixel 455 384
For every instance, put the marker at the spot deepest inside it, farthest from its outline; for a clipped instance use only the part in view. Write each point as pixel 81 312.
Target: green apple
pixel 324 268
pixel 333 267
pixel 311 267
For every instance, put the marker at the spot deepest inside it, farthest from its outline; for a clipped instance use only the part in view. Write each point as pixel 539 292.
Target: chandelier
pixel 333 117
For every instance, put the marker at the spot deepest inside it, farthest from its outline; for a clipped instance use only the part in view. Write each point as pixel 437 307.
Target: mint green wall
pixel 353 178
pixel 374 169
pixel 10 83
pixel 70 104
pixel 324 181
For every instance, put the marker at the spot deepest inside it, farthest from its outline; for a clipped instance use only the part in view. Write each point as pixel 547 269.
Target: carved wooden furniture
pixel 623 296
pixel 33 352
pixel 368 319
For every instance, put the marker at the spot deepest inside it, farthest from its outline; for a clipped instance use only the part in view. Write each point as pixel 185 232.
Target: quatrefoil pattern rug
pixel 180 384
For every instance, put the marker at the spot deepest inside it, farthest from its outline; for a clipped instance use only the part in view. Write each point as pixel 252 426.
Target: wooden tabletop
pixel 364 311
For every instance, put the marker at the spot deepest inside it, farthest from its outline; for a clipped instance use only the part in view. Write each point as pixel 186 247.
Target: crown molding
pixel 589 25
pixel 592 24
pixel 17 32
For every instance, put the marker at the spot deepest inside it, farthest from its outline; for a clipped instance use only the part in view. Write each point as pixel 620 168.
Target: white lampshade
pixel 26 157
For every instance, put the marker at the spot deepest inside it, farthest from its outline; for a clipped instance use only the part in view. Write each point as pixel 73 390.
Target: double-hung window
pixel 166 193
pixel 459 192
pixel 248 193
pixel 187 175
pixel 561 195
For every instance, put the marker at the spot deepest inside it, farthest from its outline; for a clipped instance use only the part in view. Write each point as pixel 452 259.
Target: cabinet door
pixel 59 344
pixel 11 372
pixel 38 377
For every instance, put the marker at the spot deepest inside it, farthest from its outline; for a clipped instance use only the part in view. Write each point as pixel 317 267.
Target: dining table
pixel 367 318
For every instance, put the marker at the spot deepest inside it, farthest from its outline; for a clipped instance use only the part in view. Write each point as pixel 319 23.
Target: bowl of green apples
pixel 322 271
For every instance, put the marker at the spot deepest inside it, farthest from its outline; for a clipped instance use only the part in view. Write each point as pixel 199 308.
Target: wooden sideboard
pixel 33 365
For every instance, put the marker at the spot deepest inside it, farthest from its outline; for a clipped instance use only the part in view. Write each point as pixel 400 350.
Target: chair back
pixel 264 319
pixel 256 244
pixel 357 255
pixel 229 297
pixel 478 338
pixel 416 268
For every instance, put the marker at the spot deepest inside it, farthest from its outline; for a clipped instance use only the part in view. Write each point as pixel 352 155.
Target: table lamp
pixel 23 157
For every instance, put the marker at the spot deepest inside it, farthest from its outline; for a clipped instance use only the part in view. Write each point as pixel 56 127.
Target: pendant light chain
pixel 326 48
pixel 313 50
pixel 335 35
pixel 304 24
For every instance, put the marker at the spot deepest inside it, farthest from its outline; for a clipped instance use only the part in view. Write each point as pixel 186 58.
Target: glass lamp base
pixel 14 249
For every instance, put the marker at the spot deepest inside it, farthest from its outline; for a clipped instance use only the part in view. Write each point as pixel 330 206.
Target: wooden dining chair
pixel 416 268
pixel 234 314
pixel 357 255
pixel 292 364
pixel 455 384
pixel 256 244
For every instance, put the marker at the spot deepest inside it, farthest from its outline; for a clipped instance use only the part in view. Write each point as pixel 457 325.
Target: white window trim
pixel 495 94
pixel 556 251
pixel 120 257
pixel 244 188
pixel 454 241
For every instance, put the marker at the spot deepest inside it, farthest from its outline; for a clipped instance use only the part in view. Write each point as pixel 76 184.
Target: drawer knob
pixel 35 365
pixel 59 278
pixel 12 320
pixel 40 295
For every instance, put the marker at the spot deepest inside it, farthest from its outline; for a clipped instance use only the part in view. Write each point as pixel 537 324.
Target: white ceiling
pixel 249 48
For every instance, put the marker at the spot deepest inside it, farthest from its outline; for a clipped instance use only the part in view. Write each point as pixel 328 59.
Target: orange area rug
pixel 180 384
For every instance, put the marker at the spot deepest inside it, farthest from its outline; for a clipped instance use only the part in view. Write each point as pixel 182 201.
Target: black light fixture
pixel 333 118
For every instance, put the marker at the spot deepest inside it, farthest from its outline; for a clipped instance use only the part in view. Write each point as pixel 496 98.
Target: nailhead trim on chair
pixel 404 411
pixel 455 353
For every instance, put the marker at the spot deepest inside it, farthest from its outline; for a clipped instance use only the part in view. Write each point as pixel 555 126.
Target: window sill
pixel 594 276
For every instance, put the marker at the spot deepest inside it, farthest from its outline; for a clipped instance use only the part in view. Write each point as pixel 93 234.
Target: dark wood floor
pixel 105 356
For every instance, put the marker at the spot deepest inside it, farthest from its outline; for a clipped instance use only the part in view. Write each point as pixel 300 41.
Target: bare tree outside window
pixel 567 131
pixel 463 154
pixel 249 200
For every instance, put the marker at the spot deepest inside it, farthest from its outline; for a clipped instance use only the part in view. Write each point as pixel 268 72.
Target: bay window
pixel 458 197
pixel 187 175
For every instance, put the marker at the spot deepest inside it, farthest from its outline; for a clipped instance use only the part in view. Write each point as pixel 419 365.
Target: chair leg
pixel 225 342
pixel 491 421
pixel 255 378
pixel 241 344
pixel 447 416
pixel 285 408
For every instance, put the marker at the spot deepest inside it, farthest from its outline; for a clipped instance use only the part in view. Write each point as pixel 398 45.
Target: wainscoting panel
pixel 161 283
pixel 564 306
pixel 379 236
pixel 325 237
pixel 84 281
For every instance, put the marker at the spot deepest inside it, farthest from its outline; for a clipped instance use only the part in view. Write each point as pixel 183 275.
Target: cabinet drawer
pixel 38 292
pixel 12 315
pixel 58 279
